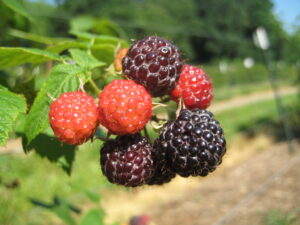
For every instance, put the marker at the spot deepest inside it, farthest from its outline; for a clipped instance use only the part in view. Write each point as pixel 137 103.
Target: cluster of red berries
pixel 191 145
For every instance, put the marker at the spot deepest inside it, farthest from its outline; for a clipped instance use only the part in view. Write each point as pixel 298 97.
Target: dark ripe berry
pixel 162 172
pixel 197 144
pixel 127 160
pixel 161 63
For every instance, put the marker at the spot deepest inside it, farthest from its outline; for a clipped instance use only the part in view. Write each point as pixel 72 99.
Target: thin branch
pixel 94 86
pixel 146 133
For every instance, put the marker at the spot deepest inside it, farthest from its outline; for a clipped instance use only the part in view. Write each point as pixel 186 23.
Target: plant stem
pixel 146 133
pixel 92 83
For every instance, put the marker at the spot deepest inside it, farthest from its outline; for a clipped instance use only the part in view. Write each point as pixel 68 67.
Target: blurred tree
pixel 293 49
pixel 204 30
pixel 10 19
pixel 230 25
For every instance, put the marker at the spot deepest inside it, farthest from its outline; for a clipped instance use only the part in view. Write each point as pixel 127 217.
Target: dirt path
pixel 216 197
pixel 243 100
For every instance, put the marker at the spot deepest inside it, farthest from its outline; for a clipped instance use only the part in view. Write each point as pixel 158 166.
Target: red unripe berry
pixel 194 87
pixel 124 107
pixel 74 117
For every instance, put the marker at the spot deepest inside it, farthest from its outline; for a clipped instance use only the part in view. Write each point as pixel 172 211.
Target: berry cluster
pixel 191 145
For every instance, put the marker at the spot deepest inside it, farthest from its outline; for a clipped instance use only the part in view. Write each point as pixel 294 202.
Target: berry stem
pixel 165 99
pixel 158 104
pixel 157 120
pixel 180 107
pixel 146 133
pixel 51 97
pixel 104 139
pixel 108 135
pixel 96 89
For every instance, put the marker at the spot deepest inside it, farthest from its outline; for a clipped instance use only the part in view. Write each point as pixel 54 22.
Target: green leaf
pixel 10 56
pixel 82 23
pixel 58 48
pixel 93 217
pixel 48 146
pixel 11 105
pixel 106 26
pixel 64 213
pixel 84 59
pixel 99 39
pixel 19 8
pixel 63 78
pixel 104 52
pixel 36 38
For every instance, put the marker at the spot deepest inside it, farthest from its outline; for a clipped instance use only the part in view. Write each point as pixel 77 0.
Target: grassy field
pixel 42 180
pixel 236 74
pixel 248 117
pixel 237 80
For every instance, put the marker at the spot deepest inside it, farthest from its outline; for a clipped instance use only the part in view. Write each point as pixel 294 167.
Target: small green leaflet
pixel 63 78
pixel 104 52
pixel 36 38
pixel 19 8
pixel 16 56
pixel 11 106
pixel 62 46
pixel 83 59
pixel 99 39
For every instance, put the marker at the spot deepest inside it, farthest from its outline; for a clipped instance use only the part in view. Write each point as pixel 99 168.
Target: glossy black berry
pixel 127 160
pixel 162 172
pixel 154 63
pixel 197 144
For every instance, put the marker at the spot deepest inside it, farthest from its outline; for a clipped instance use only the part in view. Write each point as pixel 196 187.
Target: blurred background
pixel 259 180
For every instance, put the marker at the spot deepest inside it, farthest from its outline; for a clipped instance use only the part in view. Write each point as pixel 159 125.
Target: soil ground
pixel 217 196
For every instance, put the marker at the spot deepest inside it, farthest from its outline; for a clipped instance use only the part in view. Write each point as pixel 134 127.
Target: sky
pixel 287 12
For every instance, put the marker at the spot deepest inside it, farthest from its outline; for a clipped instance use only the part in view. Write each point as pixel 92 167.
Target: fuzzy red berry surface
pixel 127 160
pixel 154 63
pixel 74 117
pixel 194 87
pixel 124 107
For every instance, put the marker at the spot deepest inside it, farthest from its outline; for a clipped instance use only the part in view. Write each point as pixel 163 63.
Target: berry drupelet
pixel 194 143
pixel 194 87
pixel 74 117
pixel 154 63
pixel 127 160
pixel 124 107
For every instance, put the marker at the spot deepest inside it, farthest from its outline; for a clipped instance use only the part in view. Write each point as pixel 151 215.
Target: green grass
pixel 237 75
pixel 225 93
pixel 277 217
pixel 248 116
pixel 42 180
pixel 238 80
